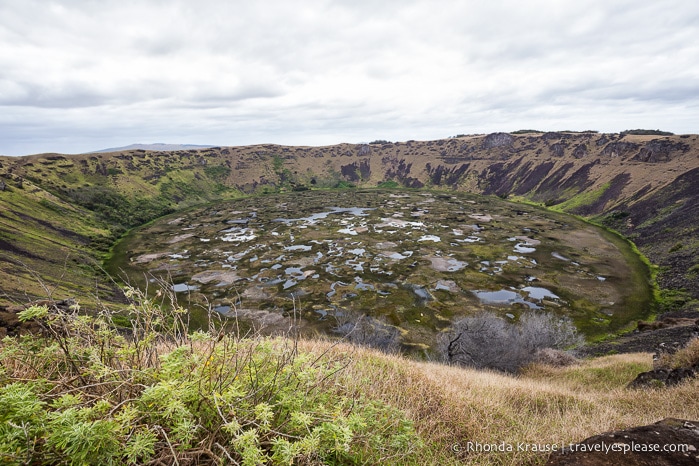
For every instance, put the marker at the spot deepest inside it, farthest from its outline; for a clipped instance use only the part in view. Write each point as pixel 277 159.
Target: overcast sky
pixel 82 75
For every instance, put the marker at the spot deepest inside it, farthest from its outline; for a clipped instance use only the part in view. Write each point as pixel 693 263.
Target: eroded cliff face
pixel 643 186
pixel 546 167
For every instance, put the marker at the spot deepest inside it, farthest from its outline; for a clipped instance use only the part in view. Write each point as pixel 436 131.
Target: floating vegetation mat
pixel 416 260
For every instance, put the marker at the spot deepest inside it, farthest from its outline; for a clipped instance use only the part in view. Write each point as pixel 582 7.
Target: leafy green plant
pixel 217 172
pixel 277 163
pixel 85 392
pixel 118 209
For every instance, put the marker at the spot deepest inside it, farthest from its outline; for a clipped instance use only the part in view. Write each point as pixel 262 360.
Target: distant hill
pixel 156 146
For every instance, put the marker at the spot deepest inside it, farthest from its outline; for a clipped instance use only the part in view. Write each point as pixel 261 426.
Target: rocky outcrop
pixel 494 140
pixel 663 225
pixel 11 325
pixel 558 149
pixel 667 322
pixel 364 150
pixel 355 172
pixel 554 136
pixel 580 151
pixel 619 149
pixel 398 170
pixel 659 378
pixel 660 150
pixel 663 335
pixel 670 442
pixel 449 176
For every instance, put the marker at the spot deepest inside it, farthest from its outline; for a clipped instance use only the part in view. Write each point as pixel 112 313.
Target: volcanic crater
pixel 413 260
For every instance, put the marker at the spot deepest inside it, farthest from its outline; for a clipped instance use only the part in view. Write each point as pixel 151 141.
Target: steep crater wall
pixel 641 185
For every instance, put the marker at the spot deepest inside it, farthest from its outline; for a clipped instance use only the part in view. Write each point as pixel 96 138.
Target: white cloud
pixel 77 75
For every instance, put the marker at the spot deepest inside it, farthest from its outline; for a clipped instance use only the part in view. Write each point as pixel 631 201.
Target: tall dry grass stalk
pixel 544 405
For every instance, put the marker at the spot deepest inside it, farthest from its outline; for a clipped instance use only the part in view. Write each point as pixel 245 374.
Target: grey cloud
pixel 663 92
pixel 67 95
pixel 243 72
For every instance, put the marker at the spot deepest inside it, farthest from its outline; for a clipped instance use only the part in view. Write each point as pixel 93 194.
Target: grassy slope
pixel 48 246
pixel 59 216
pixel 452 406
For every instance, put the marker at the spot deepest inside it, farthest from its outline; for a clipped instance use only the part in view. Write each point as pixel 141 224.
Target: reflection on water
pixel 421 293
pixel 539 293
pixel 503 297
pixel 298 247
pixel 558 256
pixel 357 211
pixel 522 249
pixel 182 287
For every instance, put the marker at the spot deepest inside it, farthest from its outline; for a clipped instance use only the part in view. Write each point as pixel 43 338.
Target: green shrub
pixel 390 184
pixel 526 131
pixel 277 163
pixel 673 300
pixel 676 247
pixel 217 172
pixel 117 209
pixel 83 393
pixel 344 185
pixel 646 132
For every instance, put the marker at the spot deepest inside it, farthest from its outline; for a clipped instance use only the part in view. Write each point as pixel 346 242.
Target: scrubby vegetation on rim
pixel 85 393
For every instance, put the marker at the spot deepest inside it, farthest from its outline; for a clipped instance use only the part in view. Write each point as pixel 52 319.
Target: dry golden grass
pixel 686 357
pixel 452 406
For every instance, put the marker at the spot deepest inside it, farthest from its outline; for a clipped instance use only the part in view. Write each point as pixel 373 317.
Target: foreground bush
pixel 84 393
